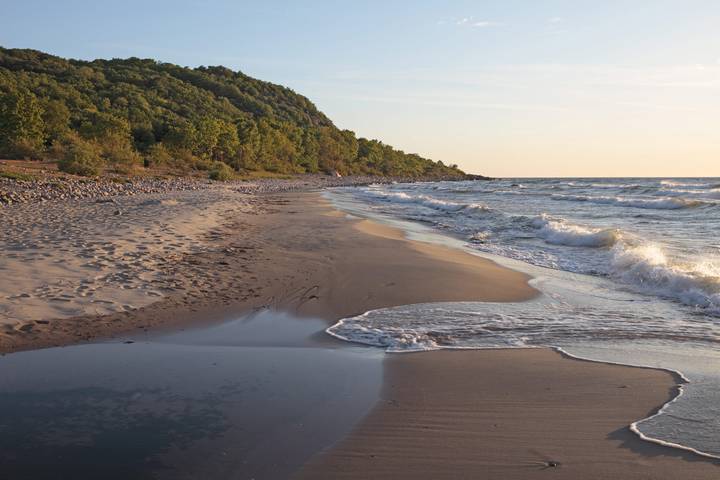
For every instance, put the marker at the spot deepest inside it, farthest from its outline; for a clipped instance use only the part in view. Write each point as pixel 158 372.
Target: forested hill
pixel 120 114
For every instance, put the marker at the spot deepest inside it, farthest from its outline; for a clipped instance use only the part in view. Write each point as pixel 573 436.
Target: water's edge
pixel 634 427
pixel 681 378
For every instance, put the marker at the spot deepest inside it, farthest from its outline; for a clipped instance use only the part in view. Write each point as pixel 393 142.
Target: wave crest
pixel 665 203
pixel 426 201
pixel 647 267
pixel 559 232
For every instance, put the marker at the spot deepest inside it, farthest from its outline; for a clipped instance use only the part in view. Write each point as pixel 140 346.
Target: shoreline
pixel 509 413
pixel 681 381
pixel 315 262
pixel 282 251
pixel 30 182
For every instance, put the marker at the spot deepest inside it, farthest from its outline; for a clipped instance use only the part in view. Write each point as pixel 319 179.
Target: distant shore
pixel 185 257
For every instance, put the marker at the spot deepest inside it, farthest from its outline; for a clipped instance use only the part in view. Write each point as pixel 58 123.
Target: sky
pixel 503 88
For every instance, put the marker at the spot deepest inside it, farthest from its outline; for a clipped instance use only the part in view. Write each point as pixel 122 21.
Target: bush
pixel 202 164
pixel 180 160
pixel 158 156
pixel 81 158
pixel 221 171
pixel 120 154
pixel 24 149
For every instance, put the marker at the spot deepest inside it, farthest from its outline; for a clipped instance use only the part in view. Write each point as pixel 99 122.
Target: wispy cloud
pixel 475 23
pixel 555 19
pixel 487 23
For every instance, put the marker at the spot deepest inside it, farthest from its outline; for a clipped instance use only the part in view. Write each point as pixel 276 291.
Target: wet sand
pixel 250 398
pixel 509 414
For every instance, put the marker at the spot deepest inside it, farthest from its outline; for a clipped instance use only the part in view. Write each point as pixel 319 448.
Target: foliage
pixel 120 154
pixel 21 123
pixel 221 171
pixel 198 116
pixel 56 119
pixel 157 156
pixel 80 157
pixel 23 149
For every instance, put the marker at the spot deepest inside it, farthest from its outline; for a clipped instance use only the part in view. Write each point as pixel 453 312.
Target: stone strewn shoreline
pixel 58 188
pixel 52 187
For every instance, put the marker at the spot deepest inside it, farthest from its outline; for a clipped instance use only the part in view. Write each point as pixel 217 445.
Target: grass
pixel 48 167
pixel 256 175
pixel 23 177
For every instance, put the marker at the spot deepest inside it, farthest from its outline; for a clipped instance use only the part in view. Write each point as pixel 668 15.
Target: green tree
pixel 227 142
pixel 216 139
pixel 199 115
pixel 56 116
pixel 97 125
pixel 21 122
pixel 182 136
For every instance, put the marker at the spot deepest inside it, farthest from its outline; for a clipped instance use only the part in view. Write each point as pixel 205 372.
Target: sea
pixel 628 270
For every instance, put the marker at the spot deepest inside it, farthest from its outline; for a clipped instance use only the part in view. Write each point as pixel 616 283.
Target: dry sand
pixel 65 259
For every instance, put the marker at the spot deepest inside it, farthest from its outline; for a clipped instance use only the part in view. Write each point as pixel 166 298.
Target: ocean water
pixel 629 271
pixel 653 236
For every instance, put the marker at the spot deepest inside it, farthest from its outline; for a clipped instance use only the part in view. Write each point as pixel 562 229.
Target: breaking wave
pixel 648 268
pixel 425 201
pixel 559 232
pixel 667 203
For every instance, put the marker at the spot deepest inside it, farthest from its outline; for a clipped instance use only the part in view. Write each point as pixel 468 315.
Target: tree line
pixel 121 114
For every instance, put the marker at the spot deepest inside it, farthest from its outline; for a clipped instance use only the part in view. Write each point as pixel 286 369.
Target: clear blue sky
pixel 507 88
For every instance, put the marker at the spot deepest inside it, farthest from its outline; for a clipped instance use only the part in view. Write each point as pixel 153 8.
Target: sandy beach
pixel 142 262
pixel 169 261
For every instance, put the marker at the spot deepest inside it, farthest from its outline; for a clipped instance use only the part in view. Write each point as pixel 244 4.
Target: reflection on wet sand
pixel 248 398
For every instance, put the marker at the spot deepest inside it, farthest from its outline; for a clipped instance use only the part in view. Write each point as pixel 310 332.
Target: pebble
pixel 55 188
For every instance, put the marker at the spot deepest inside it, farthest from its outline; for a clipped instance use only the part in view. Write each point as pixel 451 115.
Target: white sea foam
pixel 689 184
pixel 479 237
pixel 712 194
pixel 666 203
pixel 559 232
pixel 425 200
pixel 647 267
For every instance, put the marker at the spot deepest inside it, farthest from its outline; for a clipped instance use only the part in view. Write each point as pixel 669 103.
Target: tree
pixel 182 136
pixel 199 115
pixel 337 149
pixel 208 135
pixel 227 142
pixel 97 125
pixel 21 122
pixel 246 156
pixel 56 116
pixel 111 133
